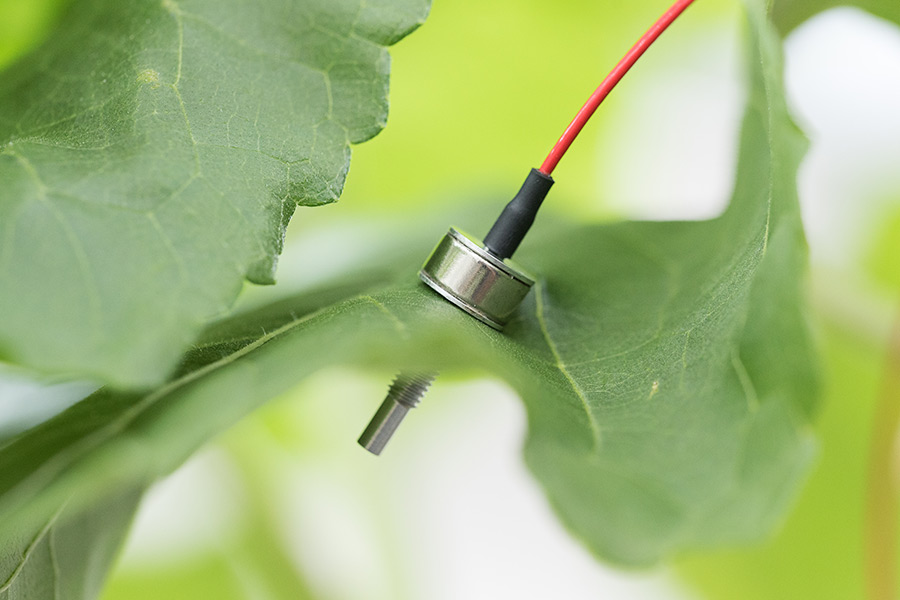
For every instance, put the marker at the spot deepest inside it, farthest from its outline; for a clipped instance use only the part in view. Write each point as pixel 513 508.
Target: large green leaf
pixel 151 154
pixel 665 367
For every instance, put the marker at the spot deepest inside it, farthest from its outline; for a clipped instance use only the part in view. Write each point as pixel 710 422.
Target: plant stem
pixel 882 494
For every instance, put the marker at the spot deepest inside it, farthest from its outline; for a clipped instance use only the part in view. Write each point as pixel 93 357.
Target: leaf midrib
pixel 32 546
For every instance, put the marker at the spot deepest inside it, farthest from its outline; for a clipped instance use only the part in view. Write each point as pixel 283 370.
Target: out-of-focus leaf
pixel 201 577
pixel 151 155
pixel 665 367
pixel 788 14
pixel 68 556
pixel 24 24
pixel 884 258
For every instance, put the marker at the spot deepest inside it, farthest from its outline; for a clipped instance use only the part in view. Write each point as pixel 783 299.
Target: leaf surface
pixel 68 557
pixel 151 155
pixel 821 551
pixel 665 367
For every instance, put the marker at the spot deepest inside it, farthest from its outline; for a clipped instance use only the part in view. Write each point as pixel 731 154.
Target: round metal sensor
pixel 481 284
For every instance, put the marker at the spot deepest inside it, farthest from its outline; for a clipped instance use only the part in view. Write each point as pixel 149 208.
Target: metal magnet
pixel 486 287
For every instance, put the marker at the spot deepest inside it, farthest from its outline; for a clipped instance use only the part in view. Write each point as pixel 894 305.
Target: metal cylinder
pixel 403 395
pixel 486 287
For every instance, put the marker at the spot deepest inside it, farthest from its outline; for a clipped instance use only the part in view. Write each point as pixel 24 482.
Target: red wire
pixel 614 77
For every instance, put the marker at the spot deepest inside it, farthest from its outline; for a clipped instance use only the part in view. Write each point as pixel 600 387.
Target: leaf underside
pixel 69 556
pixel 151 155
pixel 665 367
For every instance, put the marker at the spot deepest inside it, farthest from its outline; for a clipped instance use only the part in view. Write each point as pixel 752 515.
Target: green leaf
pixel 665 367
pixel 820 553
pixel 788 14
pixel 152 154
pixel 838 527
pixel 66 558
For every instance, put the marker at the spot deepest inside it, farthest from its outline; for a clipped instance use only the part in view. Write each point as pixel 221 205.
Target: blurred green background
pixel 285 506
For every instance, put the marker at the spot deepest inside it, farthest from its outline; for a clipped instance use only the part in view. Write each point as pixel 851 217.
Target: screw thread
pixel 409 389
pixel 404 394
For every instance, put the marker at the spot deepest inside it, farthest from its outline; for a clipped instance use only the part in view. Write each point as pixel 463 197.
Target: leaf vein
pixel 32 546
pixel 561 365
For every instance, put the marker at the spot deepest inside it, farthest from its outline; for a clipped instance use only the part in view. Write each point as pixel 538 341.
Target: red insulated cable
pixel 614 77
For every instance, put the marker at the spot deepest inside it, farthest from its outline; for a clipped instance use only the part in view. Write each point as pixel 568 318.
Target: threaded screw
pixel 404 394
